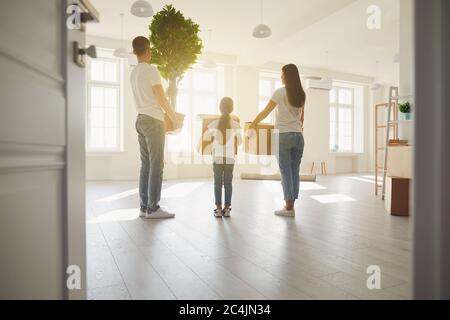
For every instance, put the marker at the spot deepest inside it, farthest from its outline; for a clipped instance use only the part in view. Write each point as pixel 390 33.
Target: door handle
pixel 80 53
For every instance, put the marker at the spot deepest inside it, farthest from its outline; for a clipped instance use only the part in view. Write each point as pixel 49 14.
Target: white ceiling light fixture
pixel 262 30
pixel 376 85
pixel 142 9
pixel 121 52
pixel 209 63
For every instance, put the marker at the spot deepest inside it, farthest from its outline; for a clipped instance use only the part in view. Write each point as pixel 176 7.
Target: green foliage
pixel 175 42
pixel 405 107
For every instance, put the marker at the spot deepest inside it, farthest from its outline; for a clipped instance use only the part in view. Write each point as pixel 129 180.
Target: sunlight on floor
pixel 368 179
pixel 310 186
pixel 333 198
pixel 119 196
pixel 116 215
pixel 372 177
pixel 275 186
pixel 180 190
pixel 362 180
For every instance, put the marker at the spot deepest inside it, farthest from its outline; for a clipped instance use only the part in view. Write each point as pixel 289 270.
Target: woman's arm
pixel 302 118
pixel 263 114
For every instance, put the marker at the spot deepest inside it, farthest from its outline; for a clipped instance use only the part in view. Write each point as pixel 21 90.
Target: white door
pixel 42 228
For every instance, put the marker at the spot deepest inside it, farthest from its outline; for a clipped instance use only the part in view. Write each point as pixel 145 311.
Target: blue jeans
pixel 151 138
pixel 223 176
pixel 290 154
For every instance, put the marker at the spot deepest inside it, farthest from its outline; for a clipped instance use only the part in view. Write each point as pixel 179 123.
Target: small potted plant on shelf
pixel 405 108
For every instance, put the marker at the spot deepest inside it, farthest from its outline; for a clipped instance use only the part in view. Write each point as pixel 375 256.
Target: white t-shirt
pixel 227 150
pixel 287 117
pixel 143 77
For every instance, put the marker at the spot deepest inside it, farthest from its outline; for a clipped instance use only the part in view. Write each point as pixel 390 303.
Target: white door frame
pixel 431 200
pixel 75 201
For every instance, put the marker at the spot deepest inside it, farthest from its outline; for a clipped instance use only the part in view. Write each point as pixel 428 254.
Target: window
pixel 346 118
pixel 104 96
pixel 198 93
pixel 268 83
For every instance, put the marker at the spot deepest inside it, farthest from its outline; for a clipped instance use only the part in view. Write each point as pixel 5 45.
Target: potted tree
pixel 405 108
pixel 175 44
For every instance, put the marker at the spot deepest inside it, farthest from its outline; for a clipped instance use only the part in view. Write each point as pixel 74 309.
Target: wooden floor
pixel 340 229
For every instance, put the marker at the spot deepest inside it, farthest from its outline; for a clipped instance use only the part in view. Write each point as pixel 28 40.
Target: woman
pixel 289 103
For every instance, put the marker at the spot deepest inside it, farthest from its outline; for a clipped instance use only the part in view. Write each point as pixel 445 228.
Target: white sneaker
pixel 142 213
pixel 285 213
pixel 159 214
pixel 217 213
pixel 227 213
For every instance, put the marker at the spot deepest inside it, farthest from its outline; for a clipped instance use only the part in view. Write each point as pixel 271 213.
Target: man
pixel 151 104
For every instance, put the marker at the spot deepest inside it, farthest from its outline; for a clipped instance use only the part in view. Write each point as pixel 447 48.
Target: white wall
pixel 379 96
pixel 241 83
pixel 406 62
pixel 406 47
pixel 121 165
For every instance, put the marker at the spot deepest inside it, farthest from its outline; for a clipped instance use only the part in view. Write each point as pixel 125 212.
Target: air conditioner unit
pixel 319 83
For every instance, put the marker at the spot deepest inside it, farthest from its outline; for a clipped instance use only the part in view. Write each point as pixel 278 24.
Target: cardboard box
pixel 399 162
pixel 397 196
pixel 169 125
pixel 259 142
pixel 206 119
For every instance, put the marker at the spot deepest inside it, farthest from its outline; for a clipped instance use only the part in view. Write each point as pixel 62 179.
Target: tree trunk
pixel 172 92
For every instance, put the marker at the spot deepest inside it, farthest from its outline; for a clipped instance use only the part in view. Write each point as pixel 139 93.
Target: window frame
pixel 105 55
pixel 191 115
pixel 273 78
pixel 337 106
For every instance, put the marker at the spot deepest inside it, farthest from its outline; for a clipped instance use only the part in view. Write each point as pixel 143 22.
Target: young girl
pixel 226 136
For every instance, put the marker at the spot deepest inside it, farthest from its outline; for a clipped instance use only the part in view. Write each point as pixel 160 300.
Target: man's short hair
pixel 140 45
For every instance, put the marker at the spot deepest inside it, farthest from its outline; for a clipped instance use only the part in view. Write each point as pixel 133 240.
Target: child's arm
pixel 207 136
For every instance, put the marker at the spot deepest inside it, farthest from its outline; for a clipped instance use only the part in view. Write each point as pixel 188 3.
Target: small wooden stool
pixel 323 167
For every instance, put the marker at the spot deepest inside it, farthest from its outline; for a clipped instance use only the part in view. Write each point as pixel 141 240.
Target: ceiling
pixel 325 34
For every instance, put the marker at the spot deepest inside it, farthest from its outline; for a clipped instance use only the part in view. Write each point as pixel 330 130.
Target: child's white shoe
pixel 217 213
pixel 285 213
pixel 227 212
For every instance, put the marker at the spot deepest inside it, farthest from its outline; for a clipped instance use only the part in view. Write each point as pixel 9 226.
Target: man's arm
pixel 160 96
